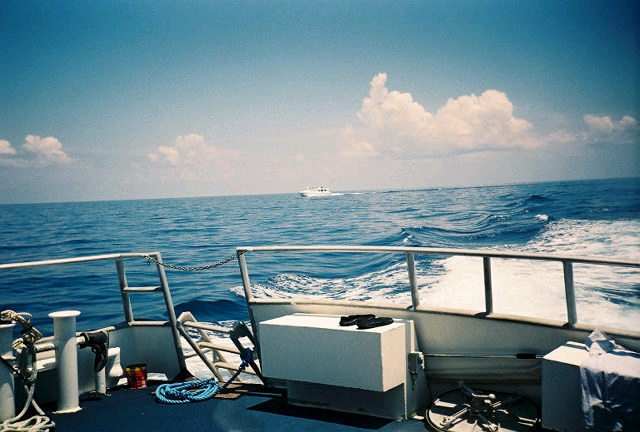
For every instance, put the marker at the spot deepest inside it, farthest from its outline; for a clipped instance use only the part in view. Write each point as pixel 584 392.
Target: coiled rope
pixel 198 390
pixel 190 391
pixel 27 371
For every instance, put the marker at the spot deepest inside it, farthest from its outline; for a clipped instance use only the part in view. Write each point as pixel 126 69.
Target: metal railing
pixel 204 344
pixel 411 252
pixel 125 289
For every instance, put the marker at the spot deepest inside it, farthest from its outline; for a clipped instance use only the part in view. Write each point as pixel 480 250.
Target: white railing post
pixel 168 301
pixel 64 340
pixel 122 279
pixel 488 290
pixel 413 281
pixel 572 314
pixel 242 263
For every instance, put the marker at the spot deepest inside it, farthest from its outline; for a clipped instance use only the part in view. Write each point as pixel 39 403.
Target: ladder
pixel 126 290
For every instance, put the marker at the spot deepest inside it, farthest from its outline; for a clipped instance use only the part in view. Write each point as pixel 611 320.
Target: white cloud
pixel 599 124
pixel 48 150
pixel 171 155
pixel 393 123
pixel 597 130
pixel 605 126
pixel 35 151
pixel 189 150
pixel 628 122
pixel 600 130
pixel 5 148
pixel 194 158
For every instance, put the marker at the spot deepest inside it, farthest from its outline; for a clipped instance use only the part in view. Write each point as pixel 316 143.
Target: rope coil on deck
pixel 190 391
pixel 199 390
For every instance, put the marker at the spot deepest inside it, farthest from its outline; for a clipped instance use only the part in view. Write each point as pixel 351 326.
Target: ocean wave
pixel 604 238
pixel 221 310
pixel 479 231
pixel 387 284
pixel 537 199
pixel 600 218
pixel 528 288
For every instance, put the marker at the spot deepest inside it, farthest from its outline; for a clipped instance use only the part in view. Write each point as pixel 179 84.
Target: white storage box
pixel 561 409
pixel 315 348
pixel 327 365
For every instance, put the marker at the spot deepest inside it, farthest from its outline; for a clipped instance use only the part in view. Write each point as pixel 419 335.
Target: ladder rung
pixel 234 367
pixel 226 348
pixel 149 323
pixel 142 289
pixel 206 326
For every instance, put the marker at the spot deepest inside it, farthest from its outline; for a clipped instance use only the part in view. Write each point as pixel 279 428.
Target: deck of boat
pixel 243 408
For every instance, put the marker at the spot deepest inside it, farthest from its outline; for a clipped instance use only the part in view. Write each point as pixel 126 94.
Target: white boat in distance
pixel 316 191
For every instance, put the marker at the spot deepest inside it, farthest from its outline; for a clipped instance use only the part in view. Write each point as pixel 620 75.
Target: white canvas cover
pixel 610 381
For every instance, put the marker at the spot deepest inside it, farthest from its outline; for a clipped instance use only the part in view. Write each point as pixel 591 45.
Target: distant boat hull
pixel 318 191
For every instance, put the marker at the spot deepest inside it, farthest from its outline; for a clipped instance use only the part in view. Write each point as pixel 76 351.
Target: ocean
pixel 596 218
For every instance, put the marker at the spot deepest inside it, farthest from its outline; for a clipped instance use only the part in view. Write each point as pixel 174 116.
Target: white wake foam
pixel 607 296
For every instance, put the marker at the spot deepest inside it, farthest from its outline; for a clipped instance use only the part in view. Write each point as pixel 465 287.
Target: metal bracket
pixel 415 363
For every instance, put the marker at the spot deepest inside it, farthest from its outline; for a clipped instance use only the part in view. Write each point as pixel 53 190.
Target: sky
pixel 105 100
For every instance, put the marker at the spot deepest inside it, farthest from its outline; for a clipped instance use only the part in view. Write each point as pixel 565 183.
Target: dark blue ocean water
pixel 598 218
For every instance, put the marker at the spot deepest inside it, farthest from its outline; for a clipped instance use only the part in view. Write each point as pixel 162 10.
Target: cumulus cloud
pixel 48 150
pixel 596 130
pixel 188 150
pixel 36 151
pixel 605 126
pixel 392 122
pixel 193 157
pixel 599 130
pixel 5 148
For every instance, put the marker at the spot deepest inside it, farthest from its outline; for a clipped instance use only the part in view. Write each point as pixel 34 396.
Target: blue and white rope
pixel 190 391
pixel 198 390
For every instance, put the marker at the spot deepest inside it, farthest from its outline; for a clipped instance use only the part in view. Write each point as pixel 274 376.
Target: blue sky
pixel 147 99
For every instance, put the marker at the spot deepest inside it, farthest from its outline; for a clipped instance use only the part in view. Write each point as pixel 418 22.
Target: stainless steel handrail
pixel 122 278
pixel 59 261
pixel 486 255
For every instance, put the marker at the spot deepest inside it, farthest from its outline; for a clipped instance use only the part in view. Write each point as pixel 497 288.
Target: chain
pixel 196 268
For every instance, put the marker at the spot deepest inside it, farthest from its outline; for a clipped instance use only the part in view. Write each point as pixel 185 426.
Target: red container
pixel 136 375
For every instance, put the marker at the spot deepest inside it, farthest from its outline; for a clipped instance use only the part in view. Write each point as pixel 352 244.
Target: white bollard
pixel 101 382
pixel 114 370
pixel 64 340
pixel 7 386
